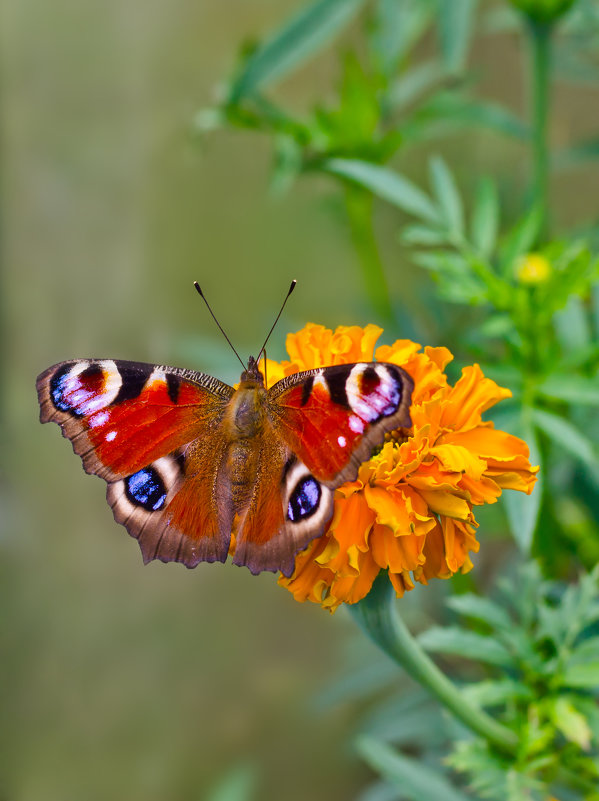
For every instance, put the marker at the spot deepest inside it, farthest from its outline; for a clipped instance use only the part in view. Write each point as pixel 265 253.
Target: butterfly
pixel 189 460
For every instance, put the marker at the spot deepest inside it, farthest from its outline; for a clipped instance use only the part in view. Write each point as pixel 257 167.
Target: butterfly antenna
pixel 291 288
pixel 265 363
pixel 201 294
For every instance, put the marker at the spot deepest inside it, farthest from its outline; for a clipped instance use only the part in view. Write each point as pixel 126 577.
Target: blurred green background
pixel 120 681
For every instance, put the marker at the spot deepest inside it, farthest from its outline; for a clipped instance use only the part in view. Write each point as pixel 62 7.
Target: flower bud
pixel 543 10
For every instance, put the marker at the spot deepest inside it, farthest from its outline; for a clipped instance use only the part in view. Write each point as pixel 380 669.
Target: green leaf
pixel 520 239
pixel 584 675
pixel 447 196
pixel 380 791
pixel 587 651
pixel 494 117
pixel 595 305
pixel 572 326
pixel 295 42
pixel 357 684
pixel 523 510
pixel 412 719
pixel 485 218
pixel 479 608
pixel 455 29
pixel 497 693
pixel 386 184
pixel 423 235
pixel 416 783
pixel 571 723
pixel 398 26
pixel 413 83
pixel 468 644
pixel 570 388
pixel 497 326
pixel 567 436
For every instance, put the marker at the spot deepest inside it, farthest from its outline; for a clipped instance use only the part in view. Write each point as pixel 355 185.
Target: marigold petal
pixel 471 396
pixel 401 582
pixel 352 521
pixel 446 503
pixel 390 508
pixel 399 554
pixel 507 456
pixel 459 541
pixel 483 490
pixel 457 459
pixel 350 589
pixel 435 565
pixel 355 344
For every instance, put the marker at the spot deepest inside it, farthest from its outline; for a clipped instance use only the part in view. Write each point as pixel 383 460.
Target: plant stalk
pixel 539 38
pixel 377 616
pixel 359 206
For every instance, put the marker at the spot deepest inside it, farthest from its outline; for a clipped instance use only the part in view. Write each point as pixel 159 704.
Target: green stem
pixel 539 36
pixel 359 203
pixel 377 616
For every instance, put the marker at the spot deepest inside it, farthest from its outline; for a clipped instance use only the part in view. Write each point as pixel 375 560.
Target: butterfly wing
pixel 265 540
pixel 333 418
pixel 322 425
pixel 151 432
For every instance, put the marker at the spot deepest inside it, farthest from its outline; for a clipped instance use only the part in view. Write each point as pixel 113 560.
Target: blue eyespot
pixel 146 488
pixel 304 499
pixel 57 390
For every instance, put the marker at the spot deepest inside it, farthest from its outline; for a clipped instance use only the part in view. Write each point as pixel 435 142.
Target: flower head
pixel 410 509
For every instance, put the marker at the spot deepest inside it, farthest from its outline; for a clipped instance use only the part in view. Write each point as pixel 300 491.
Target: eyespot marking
pixel 146 488
pixel 369 381
pixel 374 391
pixel 304 500
pixel 72 387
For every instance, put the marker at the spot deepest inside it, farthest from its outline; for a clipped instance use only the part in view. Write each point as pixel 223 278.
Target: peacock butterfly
pixel 189 460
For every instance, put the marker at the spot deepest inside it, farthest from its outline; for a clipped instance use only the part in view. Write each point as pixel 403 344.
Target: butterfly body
pixel 191 462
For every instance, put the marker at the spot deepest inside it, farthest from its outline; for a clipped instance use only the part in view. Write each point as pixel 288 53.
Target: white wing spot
pixel 356 424
pixel 110 436
pixel 98 419
pixel 342 441
pixel 157 376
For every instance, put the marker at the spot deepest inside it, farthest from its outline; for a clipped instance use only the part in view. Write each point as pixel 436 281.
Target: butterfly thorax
pixel 246 411
pixel 244 425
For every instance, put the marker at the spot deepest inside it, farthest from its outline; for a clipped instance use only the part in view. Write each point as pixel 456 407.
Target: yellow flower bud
pixel 533 269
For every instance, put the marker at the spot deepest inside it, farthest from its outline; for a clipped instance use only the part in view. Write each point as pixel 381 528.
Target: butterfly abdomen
pixel 243 425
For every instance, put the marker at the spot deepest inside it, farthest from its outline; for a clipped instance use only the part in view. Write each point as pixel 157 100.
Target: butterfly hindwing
pixel 286 510
pixel 333 417
pixel 147 431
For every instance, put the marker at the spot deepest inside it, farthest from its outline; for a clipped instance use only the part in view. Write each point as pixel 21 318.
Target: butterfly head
pixel 252 372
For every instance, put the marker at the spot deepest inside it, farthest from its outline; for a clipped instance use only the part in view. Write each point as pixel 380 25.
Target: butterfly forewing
pixel 145 430
pixel 333 417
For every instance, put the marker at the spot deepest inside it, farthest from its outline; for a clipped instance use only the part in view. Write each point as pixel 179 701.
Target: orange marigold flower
pixel 409 511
